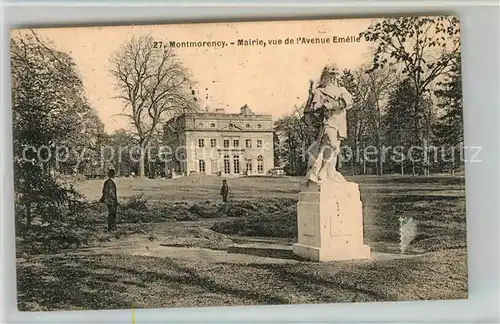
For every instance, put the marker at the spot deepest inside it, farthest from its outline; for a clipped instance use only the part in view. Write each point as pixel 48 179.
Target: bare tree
pixel 153 84
pixel 358 118
pixel 380 82
pixel 370 89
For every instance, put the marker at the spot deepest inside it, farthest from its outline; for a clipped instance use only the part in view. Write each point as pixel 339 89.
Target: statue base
pixel 330 222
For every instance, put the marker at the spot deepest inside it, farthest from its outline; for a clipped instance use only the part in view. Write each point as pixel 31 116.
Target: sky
pixel 270 80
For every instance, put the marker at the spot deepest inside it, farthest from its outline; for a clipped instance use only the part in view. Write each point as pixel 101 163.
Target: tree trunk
pixel 380 160
pixel 364 161
pixel 141 167
pixel 142 159
pixel 355 157
pixel 425 165
pixel 402 169
pixel 418 123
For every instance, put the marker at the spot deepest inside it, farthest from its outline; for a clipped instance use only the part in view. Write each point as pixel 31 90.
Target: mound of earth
pixel 198 237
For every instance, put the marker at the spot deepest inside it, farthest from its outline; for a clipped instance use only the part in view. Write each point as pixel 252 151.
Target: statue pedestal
pixel 330 222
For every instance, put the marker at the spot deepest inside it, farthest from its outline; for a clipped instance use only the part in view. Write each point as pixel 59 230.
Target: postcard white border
pixel 481 70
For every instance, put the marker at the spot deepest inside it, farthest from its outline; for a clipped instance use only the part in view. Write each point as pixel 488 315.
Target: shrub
pixel 135 203
pixel 65 227
pixel 266 218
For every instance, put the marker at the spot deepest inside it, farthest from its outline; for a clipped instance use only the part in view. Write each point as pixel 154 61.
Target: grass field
pixel 177 246
pixel 194 188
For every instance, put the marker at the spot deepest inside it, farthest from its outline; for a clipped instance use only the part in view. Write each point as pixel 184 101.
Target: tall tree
pixel 370 90
pixel 380 82
pixel 356 121
pixel 84 147
pixel 397 122
pixel 292 149
pixel 119 151
pixel 425 46
pixel 153 85
pixel 400 131
pixel 48 103
pixel 278 150
pixel 449 127
pixel 155 156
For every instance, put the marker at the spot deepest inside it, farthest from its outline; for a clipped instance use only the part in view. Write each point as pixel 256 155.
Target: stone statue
pixel 327 104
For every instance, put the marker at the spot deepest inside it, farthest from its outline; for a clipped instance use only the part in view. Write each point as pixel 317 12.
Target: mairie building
pixel 219 143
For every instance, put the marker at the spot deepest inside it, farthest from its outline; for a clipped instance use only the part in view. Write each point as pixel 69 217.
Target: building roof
pixel 245 113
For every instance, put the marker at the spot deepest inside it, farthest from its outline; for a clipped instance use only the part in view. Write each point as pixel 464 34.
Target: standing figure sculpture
pixel 328 104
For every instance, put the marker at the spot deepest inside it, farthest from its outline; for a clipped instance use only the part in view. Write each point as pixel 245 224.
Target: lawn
pixel 176 248
pixel 194 188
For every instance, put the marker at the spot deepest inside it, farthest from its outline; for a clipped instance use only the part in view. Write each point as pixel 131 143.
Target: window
pixel 201 165
pixel 212 125
pixel 227 164
pixel 248 143
pixel 226 143
pixel 236 164
pixel 260 164
pixel 248 126
pixel 259 125
pixel 213 142
pixel 200 124
pixel 249 166
pixel 259 143
pixel 201 142
pixel 236 143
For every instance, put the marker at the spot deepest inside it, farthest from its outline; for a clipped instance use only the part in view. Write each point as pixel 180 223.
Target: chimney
pixel 245 110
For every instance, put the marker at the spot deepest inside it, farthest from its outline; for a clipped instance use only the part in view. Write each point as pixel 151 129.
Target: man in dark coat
pixel 109 197
pixel 224 190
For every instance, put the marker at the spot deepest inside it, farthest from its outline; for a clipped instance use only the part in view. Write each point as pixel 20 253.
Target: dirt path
pixel 184 264
pixel 194 241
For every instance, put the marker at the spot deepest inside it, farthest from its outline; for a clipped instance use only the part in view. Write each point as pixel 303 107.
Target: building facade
pixel 219 143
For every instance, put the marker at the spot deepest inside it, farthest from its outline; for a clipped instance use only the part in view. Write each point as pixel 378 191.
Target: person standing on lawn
pixel 224 190
pixel 110 198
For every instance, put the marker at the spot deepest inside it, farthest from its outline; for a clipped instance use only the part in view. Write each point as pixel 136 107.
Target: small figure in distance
pixel 224 190
pixel 109 197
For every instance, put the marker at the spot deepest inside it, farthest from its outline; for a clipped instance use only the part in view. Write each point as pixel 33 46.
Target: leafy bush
pixel 136 203
pixel 67 226
pixel 77 222
pixel 266 218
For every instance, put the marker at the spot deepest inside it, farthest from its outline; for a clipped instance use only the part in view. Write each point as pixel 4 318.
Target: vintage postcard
pixel 245 163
